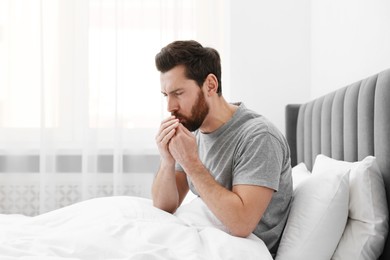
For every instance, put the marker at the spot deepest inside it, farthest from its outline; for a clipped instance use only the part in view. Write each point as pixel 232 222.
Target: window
pixel 79 91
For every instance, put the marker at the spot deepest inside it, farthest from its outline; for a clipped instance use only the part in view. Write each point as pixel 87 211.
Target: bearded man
pixel 234 159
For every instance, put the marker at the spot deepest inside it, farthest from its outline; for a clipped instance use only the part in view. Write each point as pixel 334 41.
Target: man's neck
pixel 220 113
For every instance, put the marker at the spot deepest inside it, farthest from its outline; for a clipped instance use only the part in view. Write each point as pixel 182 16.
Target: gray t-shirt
pixel 249 149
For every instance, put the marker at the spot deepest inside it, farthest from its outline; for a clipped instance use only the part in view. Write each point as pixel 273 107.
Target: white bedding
pixel 123 228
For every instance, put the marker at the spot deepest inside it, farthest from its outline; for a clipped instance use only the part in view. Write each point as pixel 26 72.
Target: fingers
pixel 166 137
pixel 182 128
pixel 167 129
pixel 167 122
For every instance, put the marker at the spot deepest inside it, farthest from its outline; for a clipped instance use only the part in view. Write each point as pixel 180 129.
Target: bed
pixel 347 125
pixel 120 228
pixel 123 227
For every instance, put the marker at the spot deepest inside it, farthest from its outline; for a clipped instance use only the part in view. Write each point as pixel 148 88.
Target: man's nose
pixel 172 105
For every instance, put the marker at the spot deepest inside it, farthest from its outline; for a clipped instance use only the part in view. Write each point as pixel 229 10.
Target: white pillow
pixel 367 227
pixel 318 215
pixel 299 174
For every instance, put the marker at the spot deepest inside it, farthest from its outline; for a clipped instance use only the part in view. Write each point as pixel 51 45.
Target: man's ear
pixel 211 84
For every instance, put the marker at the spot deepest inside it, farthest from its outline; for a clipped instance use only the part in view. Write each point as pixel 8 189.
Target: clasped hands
pixel 176 143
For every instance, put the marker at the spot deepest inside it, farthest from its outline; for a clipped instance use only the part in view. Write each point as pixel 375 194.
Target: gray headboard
pixel 347 124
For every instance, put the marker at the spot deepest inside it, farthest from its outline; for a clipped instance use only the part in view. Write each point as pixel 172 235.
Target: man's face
pixel 185 99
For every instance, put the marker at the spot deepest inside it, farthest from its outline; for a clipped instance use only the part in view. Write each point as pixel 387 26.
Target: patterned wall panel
pixel 25 196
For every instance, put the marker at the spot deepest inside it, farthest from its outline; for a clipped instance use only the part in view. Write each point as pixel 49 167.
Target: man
pixel 236 160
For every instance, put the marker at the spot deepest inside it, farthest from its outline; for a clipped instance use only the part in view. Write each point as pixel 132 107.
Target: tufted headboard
pixel 347 124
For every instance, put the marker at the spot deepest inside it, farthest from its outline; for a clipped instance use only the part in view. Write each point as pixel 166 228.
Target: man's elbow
pixel 164 206
pixel 243 231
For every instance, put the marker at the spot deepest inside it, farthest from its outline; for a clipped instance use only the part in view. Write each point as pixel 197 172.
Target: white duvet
pixel 123 228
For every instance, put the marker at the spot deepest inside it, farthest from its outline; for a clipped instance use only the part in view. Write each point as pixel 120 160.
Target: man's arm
pixel 169 187
pixel 241 209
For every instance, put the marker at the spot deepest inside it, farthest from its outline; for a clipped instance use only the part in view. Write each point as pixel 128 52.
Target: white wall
pixel 291 51
pixel 350 40
pixel 269 59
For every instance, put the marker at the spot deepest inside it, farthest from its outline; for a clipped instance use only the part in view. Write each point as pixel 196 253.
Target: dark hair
pixel 199 61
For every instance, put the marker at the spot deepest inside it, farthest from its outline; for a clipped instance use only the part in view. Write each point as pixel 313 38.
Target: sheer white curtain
pixel 80 100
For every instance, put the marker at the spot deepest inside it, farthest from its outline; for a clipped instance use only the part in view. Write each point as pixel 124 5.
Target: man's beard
pixel 199 112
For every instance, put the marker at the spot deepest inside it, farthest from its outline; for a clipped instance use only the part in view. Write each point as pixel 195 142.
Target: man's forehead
pixel 171 84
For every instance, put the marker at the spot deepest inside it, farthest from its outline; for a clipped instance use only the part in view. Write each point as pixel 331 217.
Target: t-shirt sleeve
pixel 258 161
